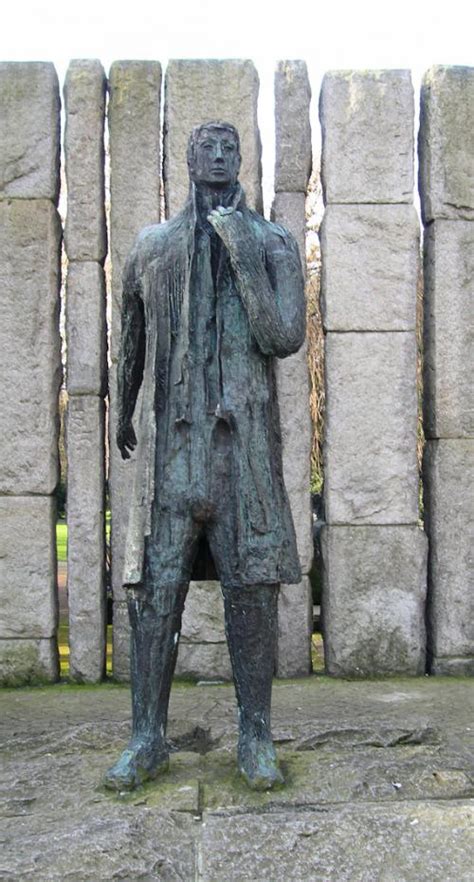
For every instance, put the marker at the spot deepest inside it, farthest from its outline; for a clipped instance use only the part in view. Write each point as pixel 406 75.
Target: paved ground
pixel 380 787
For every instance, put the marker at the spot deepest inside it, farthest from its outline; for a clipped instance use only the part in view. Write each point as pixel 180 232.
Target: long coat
pixel 163 274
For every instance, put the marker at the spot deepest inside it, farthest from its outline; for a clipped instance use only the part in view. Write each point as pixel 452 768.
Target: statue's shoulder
pixel 271 234
pixel 154 241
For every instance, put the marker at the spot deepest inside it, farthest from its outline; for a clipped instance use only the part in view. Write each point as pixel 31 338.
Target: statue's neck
pixel 208 198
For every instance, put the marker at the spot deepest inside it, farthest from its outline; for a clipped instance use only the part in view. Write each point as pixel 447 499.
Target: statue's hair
pixel 213 124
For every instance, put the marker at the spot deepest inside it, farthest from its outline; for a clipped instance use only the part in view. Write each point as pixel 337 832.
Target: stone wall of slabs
pixel 374 553
pixel 135 159
pixel 86 538
pixel 197 91
pixel 293 160
pixel 86 248
pixel 449 502
pixel 447 199
pixel 203 652
pixel 30 247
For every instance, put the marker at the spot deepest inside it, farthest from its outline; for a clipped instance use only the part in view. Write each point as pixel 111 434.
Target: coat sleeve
pixel 272 289
pixel 132 344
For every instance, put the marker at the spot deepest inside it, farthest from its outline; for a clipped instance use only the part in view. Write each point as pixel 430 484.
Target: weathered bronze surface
pixel 209 298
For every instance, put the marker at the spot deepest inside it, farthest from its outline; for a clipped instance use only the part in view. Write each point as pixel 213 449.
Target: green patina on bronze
pixel 209 299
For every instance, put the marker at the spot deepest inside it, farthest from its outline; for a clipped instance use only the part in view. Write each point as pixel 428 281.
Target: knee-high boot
pixel 155 622
pixel 251 628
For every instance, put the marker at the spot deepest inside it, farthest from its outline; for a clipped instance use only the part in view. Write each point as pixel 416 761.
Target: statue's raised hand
pixel 126 439
pixel 231 226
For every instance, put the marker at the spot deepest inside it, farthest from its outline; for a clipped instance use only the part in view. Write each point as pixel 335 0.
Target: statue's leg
pixel 155 621
pixel 251 628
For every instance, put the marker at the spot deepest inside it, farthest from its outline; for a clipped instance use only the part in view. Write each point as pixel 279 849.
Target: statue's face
pixel 216 159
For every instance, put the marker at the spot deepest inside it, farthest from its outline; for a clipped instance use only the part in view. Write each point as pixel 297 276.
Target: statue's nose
pixel 218 152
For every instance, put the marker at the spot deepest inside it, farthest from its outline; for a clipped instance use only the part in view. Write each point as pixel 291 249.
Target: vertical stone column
pixel 293 160
pixel 195 92
pixel 86 249
pixel 30 242
pixel 135 157
pixel 447 200
pixel 374 552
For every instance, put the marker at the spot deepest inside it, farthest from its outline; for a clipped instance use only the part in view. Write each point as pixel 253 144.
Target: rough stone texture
pixel 197 91
pixel 28 591
pixel 30 235
pixel 135 158
pixel 288 209
pixel 86 332
pixel 85 89
pixel 371 473
pixel 203 653
pixel 203 618
pixel 367 120
pixel 28 660
pixel 203 661
pixel 449 503
pixel 293 153
pixel 449 329
pixel 446 143
pixel 293 398
pixel 408 842
pixel 134 128
pixel 86 528
pixel 379 786
pixel 121 478
pixel 374 592
pixel 295 625
pixel 370 261
pixel 121 642
pixel 29 146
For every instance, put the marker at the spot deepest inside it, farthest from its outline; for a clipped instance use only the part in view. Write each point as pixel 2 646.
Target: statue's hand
pixel 126 439
pixel 231 226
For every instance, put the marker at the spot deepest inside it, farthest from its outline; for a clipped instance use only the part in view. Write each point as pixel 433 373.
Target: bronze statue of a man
pixel 209 298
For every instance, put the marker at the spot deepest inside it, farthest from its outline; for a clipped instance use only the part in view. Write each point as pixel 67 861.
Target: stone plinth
pixel 447 143
pixel 374 592
pixel 367 119
pixel 197 91
pixel 30 141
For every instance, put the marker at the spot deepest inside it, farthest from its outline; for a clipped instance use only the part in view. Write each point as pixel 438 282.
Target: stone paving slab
pixel 380 786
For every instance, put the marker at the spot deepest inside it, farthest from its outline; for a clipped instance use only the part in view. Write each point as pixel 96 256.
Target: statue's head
pixel 214 155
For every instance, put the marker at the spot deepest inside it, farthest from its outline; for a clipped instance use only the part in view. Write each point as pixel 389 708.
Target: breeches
pixel 203 507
